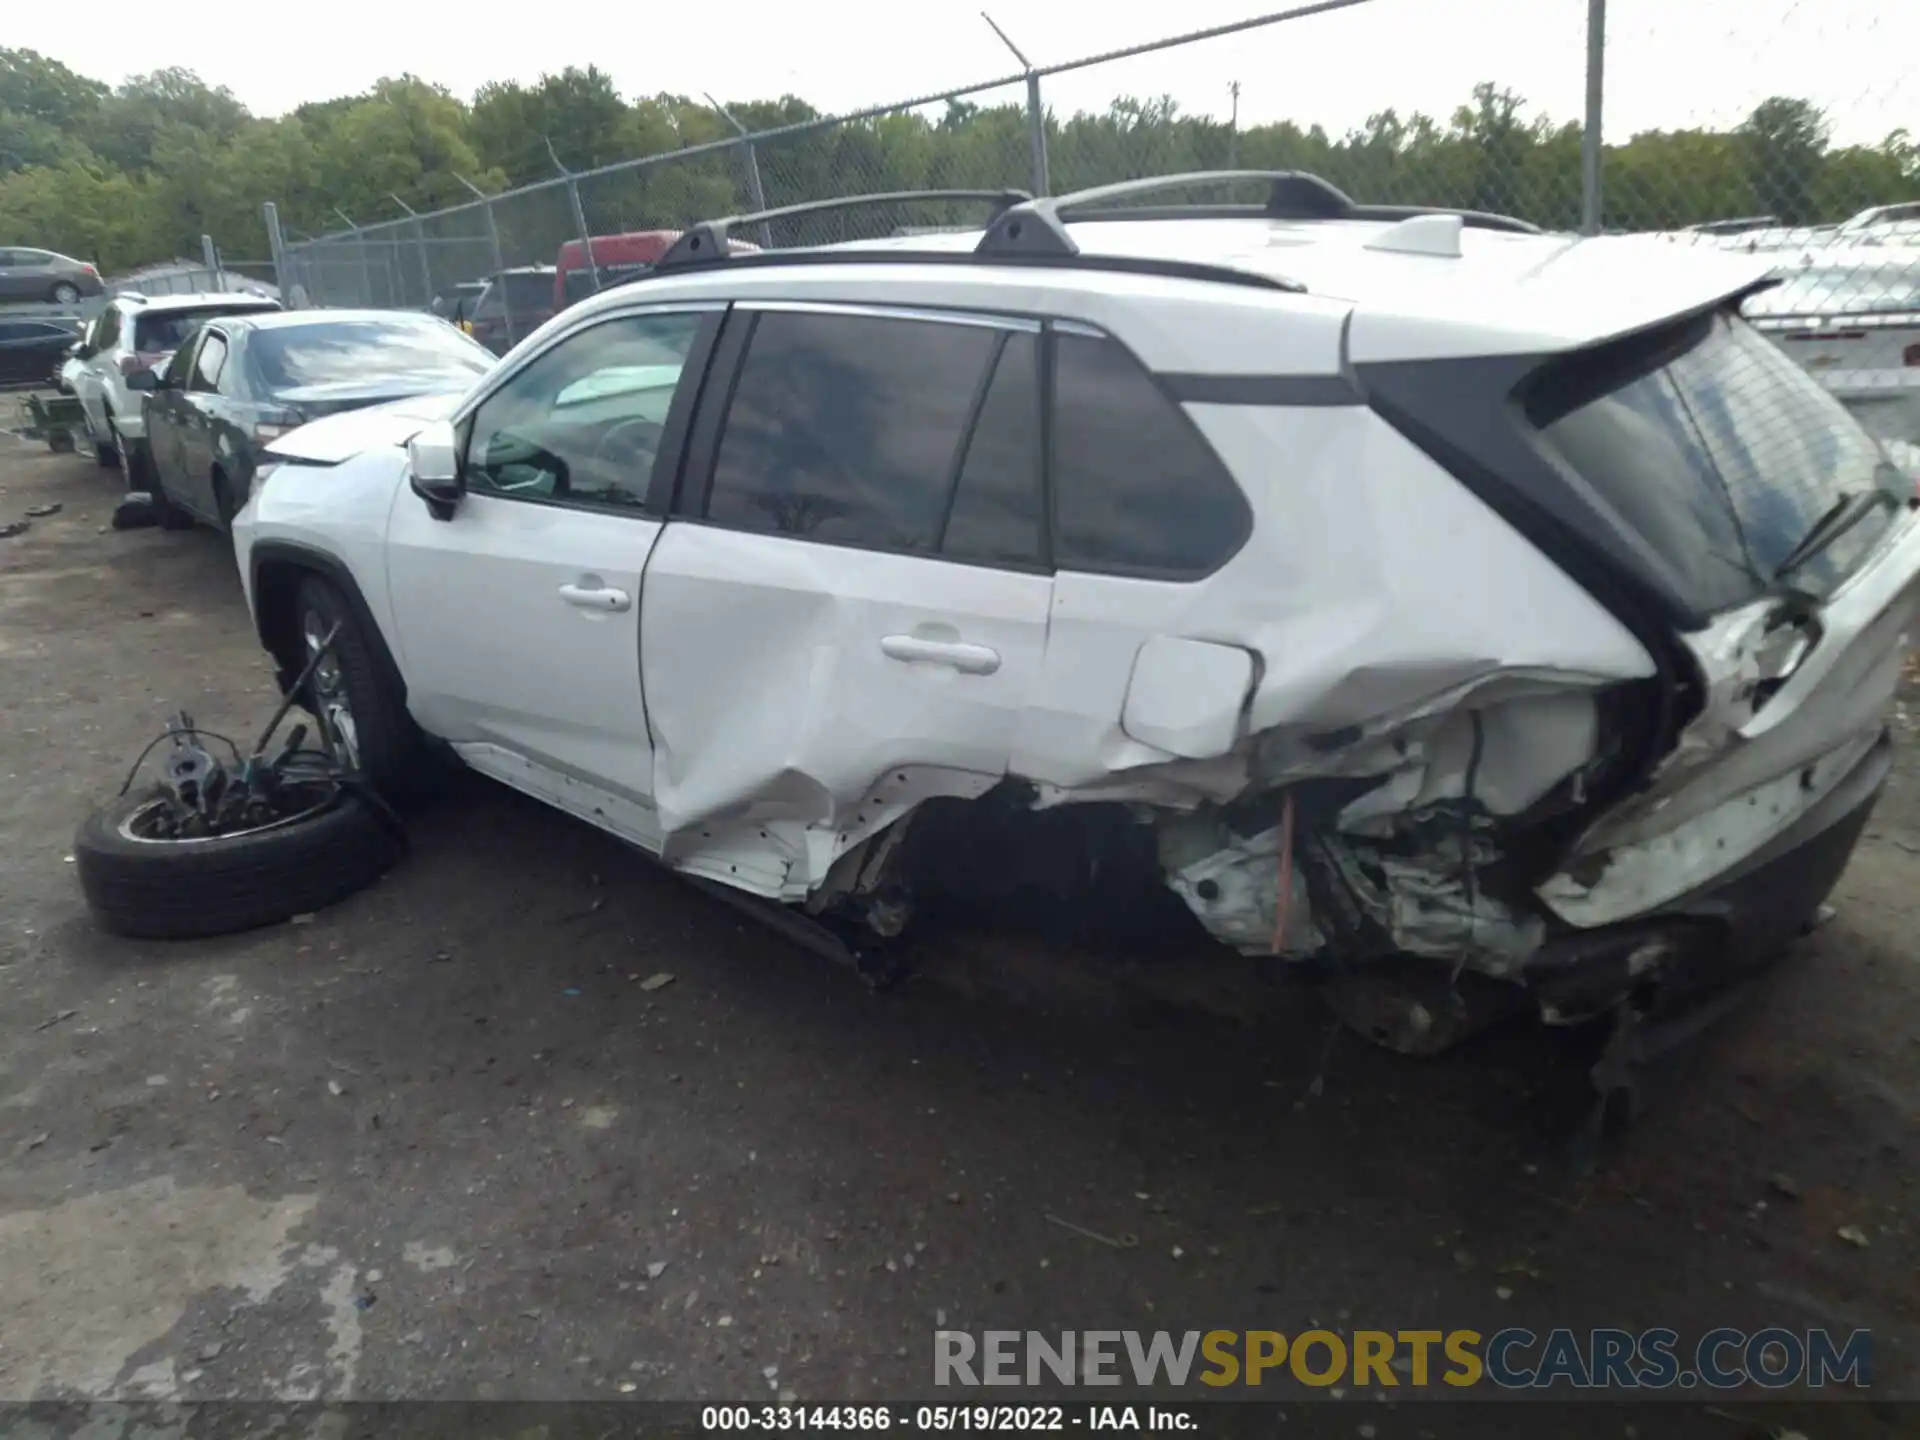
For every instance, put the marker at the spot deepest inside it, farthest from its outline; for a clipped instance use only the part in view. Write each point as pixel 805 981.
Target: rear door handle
pixel 598 598
pixel 967 659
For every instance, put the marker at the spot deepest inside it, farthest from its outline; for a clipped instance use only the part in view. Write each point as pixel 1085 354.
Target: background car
pixel 132 334
pixel 46 276
pixel 515 303
pixel 31 350
pixel 1851 318
pixel 455 302
pixel 242 381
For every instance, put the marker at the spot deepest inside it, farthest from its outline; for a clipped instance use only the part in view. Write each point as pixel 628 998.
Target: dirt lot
pixel 439 1142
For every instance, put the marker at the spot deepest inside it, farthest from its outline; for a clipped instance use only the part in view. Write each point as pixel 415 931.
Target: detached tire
pixel 186 889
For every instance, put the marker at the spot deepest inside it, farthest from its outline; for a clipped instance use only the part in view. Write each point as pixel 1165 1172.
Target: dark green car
pixel 239 382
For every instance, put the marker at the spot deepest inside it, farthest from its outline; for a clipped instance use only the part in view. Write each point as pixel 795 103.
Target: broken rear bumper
pixel 1721 933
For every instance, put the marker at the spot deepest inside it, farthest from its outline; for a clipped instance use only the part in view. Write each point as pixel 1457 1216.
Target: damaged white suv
pixel 1423 598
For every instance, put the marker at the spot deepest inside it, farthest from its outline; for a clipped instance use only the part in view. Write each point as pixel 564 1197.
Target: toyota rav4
pixel 1449 607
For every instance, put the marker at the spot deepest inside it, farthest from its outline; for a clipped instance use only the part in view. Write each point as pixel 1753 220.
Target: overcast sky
pixel 1670 63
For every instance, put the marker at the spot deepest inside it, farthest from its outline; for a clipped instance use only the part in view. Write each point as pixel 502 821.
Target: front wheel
pixel 170 515
pixel 364 718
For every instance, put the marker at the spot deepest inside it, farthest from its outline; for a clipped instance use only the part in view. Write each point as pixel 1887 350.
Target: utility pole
pixel 1233 127
pixel 1592 131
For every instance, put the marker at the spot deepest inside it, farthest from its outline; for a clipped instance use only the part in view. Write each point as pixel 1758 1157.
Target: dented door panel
pixel 782 695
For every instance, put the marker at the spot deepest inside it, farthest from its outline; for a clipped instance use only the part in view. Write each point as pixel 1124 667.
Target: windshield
pixel 342 351
pixel 1724 458
pixel 169 329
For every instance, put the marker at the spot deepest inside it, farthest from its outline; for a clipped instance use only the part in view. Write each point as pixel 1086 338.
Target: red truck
pixel 617 258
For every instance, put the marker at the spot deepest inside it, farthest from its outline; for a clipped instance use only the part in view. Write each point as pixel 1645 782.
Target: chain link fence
pixel 1758 164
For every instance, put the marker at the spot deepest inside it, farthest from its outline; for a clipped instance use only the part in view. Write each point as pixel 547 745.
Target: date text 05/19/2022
pixel 944 1418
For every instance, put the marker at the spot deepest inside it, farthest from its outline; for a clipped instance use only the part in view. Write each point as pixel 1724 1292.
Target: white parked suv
pixel 130 334
pixel 1454 609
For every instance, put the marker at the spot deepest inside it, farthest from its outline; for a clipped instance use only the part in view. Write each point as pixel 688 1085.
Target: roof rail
pixel 707 240
pixel 1038 227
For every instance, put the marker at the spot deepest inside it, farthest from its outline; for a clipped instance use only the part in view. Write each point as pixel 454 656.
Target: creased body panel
pixel 802 695
pixel 1742 775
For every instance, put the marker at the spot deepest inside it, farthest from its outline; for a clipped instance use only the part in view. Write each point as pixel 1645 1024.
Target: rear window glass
pixel 169 329
pixel 1723 459
pixel 343 351
pixel 528 290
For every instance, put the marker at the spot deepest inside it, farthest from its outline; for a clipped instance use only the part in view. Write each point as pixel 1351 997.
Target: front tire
pixel 156 889
pixel 105 455
pixel 170 515
pixel 363 716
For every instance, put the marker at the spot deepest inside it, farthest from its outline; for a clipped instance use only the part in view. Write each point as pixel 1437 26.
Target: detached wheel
pixel 140 884
pixel 366 720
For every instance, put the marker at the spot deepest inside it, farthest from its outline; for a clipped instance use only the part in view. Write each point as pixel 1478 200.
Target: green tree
pixel 1782 145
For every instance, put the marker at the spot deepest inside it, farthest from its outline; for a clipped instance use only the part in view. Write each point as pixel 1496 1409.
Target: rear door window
pixel 995 516
pixel 1136 489
pixel 847 428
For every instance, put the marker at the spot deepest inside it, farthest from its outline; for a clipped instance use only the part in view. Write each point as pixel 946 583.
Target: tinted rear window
pixel 1136 490
pixel 347 350
pixel 525 291
pixel 1722 459
pixel 167 329
pixel 845 428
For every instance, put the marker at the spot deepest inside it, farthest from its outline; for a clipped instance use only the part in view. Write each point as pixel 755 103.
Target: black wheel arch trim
pixel 290 553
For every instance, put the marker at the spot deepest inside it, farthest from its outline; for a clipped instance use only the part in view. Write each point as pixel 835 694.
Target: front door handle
pixel 597 598
pixel 967 659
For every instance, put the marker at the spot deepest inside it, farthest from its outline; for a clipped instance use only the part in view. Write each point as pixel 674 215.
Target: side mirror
pixel 144 380
pixel 433 468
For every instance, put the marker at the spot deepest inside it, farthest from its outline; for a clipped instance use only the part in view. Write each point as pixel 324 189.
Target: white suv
pixel 130 334
pixel 1422 598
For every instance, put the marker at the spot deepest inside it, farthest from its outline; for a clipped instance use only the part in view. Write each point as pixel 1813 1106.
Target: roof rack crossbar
pixel 707 239
pixel 1038 226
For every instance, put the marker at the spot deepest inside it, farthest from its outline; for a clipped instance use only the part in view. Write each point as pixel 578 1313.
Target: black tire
pixel 392 755
pixel 179 890
pixel 170 515
pixel 64 293
pixel 104 454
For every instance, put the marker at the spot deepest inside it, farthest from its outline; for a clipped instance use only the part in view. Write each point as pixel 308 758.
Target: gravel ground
pixel 442 1142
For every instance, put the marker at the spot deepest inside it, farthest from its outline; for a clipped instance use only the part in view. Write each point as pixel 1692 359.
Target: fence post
pixel 277 248
pixel 493 242
pixel 420 240
pixel 1037 134
pixel 210 257
pixel 587 257
pixel 366 267
pixel 756 195
pixel 1590 152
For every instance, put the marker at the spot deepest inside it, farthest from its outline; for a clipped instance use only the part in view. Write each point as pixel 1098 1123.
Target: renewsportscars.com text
pixel 1509 1359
